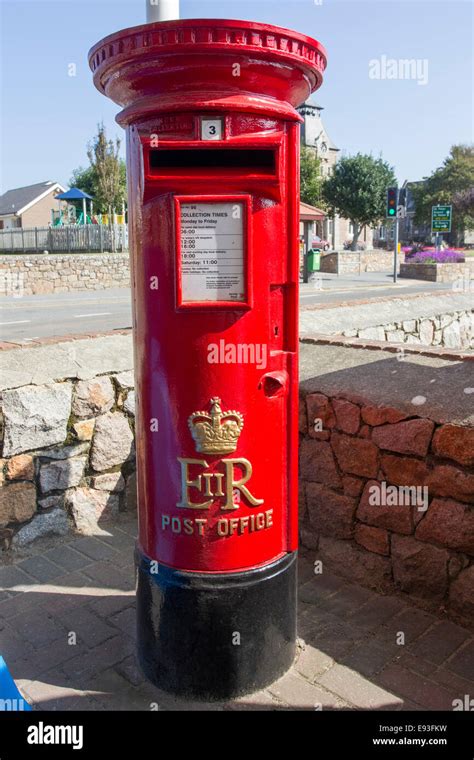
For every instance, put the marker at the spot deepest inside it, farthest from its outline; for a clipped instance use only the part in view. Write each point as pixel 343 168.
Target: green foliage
pixel 105 179
pixel 310 177
pixel 357 190
pixel 452 183
pixel 84 179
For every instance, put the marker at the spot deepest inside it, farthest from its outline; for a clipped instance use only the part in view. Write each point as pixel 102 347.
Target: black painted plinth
pixel 214 636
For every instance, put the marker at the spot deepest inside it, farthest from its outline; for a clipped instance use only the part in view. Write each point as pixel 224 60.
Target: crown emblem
pixel 216 432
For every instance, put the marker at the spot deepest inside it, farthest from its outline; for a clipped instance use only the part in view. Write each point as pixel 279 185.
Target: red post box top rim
pixel 204 36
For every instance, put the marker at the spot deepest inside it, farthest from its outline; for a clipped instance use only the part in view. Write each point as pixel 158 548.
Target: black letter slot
pixel 255 161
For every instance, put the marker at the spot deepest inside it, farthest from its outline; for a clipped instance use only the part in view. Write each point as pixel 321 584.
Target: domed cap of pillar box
pixel 212 64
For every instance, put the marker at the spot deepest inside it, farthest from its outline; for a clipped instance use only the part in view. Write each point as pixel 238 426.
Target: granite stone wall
pixel 454 330
pixel 460 274
pixel 386 494
pixel 68 457
pixel 31 274
pixel 355 262
pixel 387 499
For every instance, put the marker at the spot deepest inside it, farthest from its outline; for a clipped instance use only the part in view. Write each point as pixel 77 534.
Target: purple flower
pixel 432 257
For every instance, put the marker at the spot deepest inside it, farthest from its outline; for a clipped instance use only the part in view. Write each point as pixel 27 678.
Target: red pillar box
pixel 213 175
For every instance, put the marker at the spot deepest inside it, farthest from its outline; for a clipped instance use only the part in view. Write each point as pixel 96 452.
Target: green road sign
pixel 441 218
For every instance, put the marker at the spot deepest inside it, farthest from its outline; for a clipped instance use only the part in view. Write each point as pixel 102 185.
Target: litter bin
pixel 314 260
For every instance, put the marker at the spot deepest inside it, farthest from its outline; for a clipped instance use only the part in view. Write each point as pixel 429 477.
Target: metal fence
pixel 112 238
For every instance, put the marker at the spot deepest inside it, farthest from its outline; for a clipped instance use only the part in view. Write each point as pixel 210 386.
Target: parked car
pixel 318 242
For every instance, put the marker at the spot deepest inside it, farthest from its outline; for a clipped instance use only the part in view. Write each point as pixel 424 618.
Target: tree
pixel 452 184
pixel 357 190
pixel 84 179
pixel 464 201
pixel 310 177
pixel 105 179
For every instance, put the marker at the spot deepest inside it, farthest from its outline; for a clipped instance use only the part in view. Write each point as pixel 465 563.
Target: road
pixel 24 319
pixel 30 317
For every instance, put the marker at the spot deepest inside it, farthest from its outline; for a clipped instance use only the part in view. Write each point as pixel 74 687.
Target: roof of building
pixel 310 213
pixel 308 109
pixel 312 102
pixel 16 200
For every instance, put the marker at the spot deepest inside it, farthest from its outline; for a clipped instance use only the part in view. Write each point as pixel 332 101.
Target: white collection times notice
pixel 212 252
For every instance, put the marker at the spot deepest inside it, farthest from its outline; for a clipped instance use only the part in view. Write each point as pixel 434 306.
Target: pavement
pixel 67 633
pixel 345 288
pixel 40 316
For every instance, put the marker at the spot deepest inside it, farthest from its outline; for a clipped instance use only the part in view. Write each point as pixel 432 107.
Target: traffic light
pixel 402 197
pixel 392 194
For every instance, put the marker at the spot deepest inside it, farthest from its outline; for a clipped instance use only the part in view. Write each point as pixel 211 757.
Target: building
pixel 315 137
pixel 311 222
pixel 29 206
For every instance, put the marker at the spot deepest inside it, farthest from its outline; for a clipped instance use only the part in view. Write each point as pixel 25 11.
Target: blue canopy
pixel 74 194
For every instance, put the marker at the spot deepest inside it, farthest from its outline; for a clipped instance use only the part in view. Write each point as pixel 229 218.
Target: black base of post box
pixel 214 636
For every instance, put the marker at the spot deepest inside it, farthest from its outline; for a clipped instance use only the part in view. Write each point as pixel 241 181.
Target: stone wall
pixel 68 456
pixel 32 274
pixel 356 462
pixel 460 273
pixel 355 262
pixel 67 436
pixel 454 330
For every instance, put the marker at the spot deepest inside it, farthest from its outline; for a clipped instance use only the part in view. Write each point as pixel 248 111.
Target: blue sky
pixel 48 116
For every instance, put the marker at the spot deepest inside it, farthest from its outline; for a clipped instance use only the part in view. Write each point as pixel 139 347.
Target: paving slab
pixel 81 359
pixel 373 376
pixel 347 654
